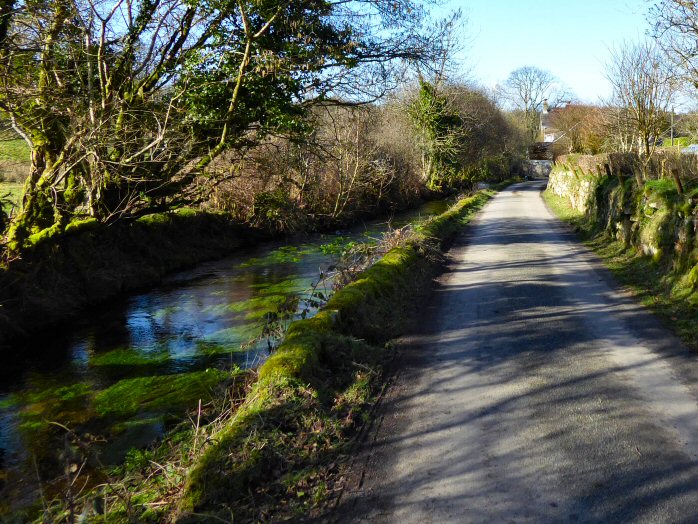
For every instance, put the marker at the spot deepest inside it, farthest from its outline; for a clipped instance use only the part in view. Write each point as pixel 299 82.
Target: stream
pixel 127 368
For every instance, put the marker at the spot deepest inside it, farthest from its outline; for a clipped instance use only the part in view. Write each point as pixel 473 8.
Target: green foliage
pixel 439 127
pixel 178 87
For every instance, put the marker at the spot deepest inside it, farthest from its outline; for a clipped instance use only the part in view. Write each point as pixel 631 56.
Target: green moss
pixel 685 207
pixel 155 219
pixel 44 235
pixel 187 212
pixel 692 277
pixel 78 226
pixel 128 397
pixel 657 231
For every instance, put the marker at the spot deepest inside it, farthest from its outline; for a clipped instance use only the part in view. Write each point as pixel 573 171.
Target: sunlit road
pixel 534 391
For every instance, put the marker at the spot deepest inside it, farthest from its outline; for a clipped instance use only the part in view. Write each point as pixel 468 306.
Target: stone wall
pixel 576 187
pixel 655 219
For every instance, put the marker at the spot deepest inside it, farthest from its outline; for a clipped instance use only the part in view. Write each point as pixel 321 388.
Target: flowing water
pixel 121 372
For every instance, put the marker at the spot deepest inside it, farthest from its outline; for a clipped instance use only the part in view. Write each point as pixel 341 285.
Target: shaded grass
pixel 670 295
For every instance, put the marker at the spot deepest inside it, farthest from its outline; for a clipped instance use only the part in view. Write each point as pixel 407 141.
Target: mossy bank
pixel 275 449
pixel 273 455
pixel 646 230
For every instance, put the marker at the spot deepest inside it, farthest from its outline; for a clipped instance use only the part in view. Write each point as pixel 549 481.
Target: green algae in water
pixel 164 313
pixel 59 394
pixel 9 402
pixel 129 358
pixel 271 298
pixel 136 423
pixel 66 405
pixel 172 392
pixel 282 255
pixel 337 246
pixel 288 286
pixel 228 339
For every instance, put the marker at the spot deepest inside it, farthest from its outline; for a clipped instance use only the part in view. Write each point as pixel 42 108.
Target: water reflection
pixel 124 367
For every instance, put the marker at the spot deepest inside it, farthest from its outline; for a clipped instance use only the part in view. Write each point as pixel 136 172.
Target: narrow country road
pixel 535 391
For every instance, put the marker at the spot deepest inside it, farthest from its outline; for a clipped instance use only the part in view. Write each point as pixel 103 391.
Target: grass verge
pixel 668 294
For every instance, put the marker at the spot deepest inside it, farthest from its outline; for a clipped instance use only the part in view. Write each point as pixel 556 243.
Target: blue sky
pixel 570 38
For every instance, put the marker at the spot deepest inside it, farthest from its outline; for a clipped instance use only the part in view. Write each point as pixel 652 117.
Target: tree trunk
pixel 38 210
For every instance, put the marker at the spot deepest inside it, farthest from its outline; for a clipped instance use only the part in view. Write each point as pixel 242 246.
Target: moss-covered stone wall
pixel 654 217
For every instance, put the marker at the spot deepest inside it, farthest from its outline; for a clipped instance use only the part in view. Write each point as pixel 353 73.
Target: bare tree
pixel 126 103
pixel 643 89
pixel 525 91
pixel 675 26
pixel 582 127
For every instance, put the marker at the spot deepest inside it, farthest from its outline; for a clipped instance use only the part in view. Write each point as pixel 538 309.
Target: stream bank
pixel 126 371
pixel 60 275
pixel 284 427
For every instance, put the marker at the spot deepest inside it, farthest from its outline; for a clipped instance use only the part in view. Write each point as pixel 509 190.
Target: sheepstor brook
pixel 132 366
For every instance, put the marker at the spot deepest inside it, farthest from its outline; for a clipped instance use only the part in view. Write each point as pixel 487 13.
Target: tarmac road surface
pixel 535 390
